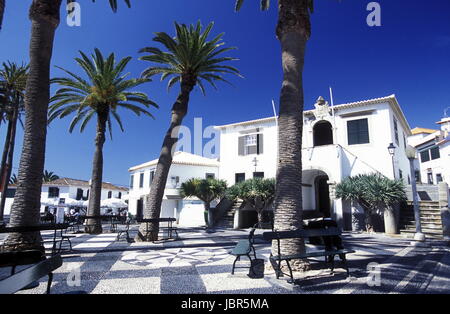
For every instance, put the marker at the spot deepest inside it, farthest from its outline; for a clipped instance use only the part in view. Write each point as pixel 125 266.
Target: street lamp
pixel 391 150
pixel 412 155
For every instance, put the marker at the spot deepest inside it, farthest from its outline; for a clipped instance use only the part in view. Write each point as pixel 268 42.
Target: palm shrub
pixel 375 194
pixel 190 59
pixel 105 91
pixel 258 193
pixel 206 190
pixel 49 176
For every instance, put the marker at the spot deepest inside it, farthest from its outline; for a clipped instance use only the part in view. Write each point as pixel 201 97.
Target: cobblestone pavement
pixel 200 263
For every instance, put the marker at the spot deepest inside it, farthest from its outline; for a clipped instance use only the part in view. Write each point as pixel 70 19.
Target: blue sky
pixel 409 55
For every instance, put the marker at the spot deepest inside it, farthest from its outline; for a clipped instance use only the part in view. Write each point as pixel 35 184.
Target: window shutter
pixel 241 149
pixel 260 144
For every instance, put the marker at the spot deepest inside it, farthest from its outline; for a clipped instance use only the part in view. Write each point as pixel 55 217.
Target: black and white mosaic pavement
pixel 200 263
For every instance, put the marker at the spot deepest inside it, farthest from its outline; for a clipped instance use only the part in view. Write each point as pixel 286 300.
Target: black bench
pixel 24 278
pixel 329 253
pixel 244 248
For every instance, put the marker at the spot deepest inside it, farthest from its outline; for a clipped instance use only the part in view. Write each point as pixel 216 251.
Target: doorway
pixel 323 204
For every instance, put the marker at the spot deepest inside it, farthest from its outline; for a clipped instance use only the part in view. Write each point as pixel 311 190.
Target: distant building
pixel 433 147
pixel 68 189
pixel 184 167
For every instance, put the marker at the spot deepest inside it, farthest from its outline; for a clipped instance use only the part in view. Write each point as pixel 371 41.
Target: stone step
pixel 410 234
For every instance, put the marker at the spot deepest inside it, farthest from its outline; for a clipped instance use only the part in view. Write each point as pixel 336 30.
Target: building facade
pixel 189 212
pixel 338 141
pixel 433 148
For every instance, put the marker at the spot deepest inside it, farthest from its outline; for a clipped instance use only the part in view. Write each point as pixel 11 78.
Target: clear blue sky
pixel 408 56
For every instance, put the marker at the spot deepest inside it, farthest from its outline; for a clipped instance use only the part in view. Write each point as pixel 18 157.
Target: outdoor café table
pixel 169 221
pixel 112 219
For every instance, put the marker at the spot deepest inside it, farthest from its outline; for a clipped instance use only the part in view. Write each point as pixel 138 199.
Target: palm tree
pixel 206 190
pixel 105 91
pixel 191 60
pixel 45 18
pixel 2 11
pixel 293 31
pixel 257 193
pixel 375 194
pixel 12 82
pixel 49 176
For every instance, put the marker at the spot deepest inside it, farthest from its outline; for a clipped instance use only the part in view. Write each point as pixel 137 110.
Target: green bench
pixel 244 248
pixel 328 253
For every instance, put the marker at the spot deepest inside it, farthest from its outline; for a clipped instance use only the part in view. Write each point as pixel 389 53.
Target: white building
pixel 340 141
pixel 68 189
pixel 184 167
pixel 434 153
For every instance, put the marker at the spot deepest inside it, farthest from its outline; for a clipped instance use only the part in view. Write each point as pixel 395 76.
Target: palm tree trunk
pixel 9 162
pixel 2 11
pixel 45 17
pixel 210 215
pixel 5 155
pixel 293 31
pixel 154 199
pixel 94 226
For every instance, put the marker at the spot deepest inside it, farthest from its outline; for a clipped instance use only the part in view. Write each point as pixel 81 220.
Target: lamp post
pixel 411 154
pixel 391 148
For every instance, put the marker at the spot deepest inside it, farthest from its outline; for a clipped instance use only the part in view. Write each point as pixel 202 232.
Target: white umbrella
pixel 49 202
pixel 72 202
pixel 114 203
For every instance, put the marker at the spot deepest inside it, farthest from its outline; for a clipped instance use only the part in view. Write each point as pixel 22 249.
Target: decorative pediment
pixel 322 110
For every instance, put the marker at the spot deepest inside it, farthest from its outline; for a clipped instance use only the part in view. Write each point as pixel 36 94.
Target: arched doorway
pixel 323 204
pixel 323 133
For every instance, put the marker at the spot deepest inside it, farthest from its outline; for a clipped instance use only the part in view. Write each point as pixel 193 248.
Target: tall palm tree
pixel 293 31
pixel 190 60
pixel 12 82
pixel 49 176
pixel 206 190
pixel 45 18
pixel 101 95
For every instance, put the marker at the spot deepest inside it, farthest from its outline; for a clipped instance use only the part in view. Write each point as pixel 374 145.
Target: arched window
pixel 323 133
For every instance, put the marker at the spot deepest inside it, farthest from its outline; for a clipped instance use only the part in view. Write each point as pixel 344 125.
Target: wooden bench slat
pixel 313 254
pixel 301 233
pixel 23 278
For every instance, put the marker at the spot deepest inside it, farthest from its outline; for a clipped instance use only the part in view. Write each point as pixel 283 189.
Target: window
pixel 119 196
pixel 439 178
pixel 174 181
pixel 152 176
pixel 87 195
pixel 396 131
pixel 110 194
pixel 250 145
pixel 10 193
pixel 400 173
pixel 417 175
pixel 239 177
pixel 131 181
pixel 259 175
pixel 210 176
pixel 141 180
pixel 79 194
pixel 53 192
pixel 323 133
pixel 425 156
pixel 430 177
pixel 404 141
pixel 358 132
pixel 435 153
